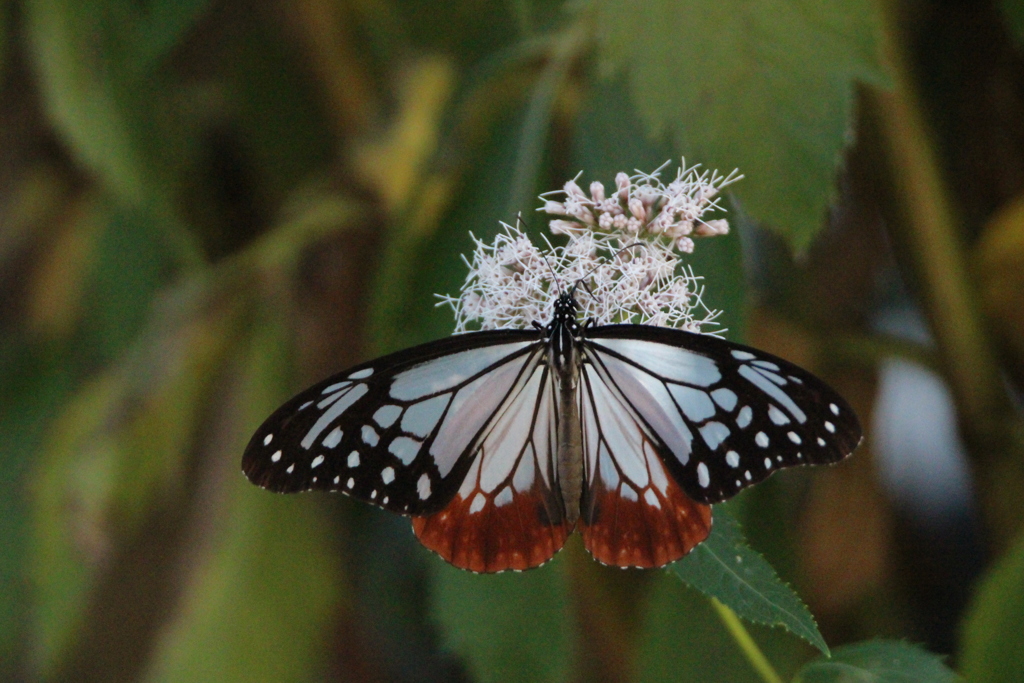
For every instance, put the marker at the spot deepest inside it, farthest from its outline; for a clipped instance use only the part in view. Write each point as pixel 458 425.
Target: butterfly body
pixel 499 444
pixel 564 358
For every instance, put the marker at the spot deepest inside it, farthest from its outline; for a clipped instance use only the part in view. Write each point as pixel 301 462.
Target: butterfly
pixel 500 443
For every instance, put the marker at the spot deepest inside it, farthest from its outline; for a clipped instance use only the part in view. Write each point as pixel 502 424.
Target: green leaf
pixel 767 87
pixel 993 635
pixel 681 628
pixel 115 454
pixel 265 585
pixel 162 23
pixel 36 381
pixel 724 567
pixel 879 661
pixel 95 92
pixel 508 627
pixel 97 65
pixel 72 475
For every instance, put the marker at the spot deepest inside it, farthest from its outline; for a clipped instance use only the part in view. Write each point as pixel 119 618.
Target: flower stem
pixel 746 642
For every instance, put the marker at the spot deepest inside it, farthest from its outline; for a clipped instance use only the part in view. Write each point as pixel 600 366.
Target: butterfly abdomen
pixel 570 448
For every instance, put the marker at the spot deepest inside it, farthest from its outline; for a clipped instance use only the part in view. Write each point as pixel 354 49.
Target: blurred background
pixel 206 205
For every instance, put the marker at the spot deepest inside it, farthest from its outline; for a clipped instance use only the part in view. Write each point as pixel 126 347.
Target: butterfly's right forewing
pixel 397 432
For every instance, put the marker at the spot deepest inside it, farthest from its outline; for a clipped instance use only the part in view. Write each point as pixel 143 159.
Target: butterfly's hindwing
pixel 394 432
pixel 633 513
pixel 508 512
pixel 727 416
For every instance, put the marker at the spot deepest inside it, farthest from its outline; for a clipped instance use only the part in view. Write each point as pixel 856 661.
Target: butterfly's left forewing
pixel 398 431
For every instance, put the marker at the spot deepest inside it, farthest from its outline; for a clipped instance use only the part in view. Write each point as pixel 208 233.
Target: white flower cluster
pixel 644 208
pixel 620 255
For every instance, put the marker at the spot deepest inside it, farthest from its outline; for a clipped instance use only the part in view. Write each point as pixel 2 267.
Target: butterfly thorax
pixel 563 358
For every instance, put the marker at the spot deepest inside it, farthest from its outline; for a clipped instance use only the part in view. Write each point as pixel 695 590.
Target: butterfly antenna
pixel 554 275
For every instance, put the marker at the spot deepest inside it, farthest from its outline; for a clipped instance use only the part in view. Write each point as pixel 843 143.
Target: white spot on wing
pixel 733 458
pixel 350 483
pixel 767 463
pixel 744 417
pixel 794 437
pixel 421 418
pixel 404 448
pixel 386 415
pixel 725 398
pixel 370 437
pixel 335 387
pixel 777 416
pixel 609 473
pixel 333 438
pixel 522 480
pixel 834 408
pixel 365 372
pixel 478 503
pixel 714 433
pixel 388 475
pixel 423 487
pixel 317 461
pixel 694 403
pixel 821 442
pixel 353 459
pixel 267 439
pixel 742 355
pixel 629 493
pixel 830 427
pixel 703 478
pixel 652 498
pixel 504 497
pixel 761 440
pixel 291 468
pixel 276 456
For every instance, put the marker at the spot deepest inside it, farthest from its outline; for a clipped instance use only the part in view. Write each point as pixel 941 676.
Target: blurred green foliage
pixel 206 206
pixel 993 634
